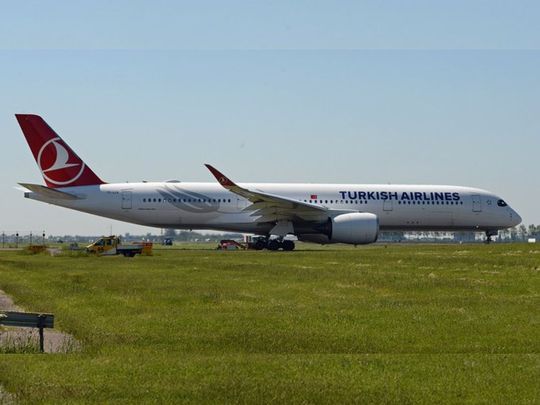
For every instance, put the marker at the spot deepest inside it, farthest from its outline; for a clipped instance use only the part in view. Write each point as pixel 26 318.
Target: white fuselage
pixel 209 206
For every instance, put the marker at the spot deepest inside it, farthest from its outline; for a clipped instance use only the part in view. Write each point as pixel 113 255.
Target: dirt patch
pixel 16 339
pixel 6 398
pixel 6 303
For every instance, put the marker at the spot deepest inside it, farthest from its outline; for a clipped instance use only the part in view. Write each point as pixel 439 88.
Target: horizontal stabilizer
pixel 49 193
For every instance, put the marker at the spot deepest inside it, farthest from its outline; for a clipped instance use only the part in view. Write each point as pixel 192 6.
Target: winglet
pixel 256 196
pixel 220 177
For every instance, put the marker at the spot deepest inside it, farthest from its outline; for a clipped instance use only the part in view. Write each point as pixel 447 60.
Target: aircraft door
pixel 476 203
pixel 126 200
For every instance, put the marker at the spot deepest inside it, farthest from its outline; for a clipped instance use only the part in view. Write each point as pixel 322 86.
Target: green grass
pixel 396 324
pixel 27 343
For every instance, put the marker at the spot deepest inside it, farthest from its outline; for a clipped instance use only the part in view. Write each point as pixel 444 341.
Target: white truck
pixel 112 245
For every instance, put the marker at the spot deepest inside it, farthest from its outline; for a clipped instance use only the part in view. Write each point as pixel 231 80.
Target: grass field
pixel 396 324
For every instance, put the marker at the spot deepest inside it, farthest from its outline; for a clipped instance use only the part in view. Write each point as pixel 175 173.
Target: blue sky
pixel 356 92
pixel 278 24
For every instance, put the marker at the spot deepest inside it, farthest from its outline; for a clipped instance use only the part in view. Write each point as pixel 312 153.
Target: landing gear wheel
pixel 287 245
pixel 273 244
pixel 259 245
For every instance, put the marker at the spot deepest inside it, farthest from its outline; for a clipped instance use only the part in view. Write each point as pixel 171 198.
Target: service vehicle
pixel 229 244
pixel 112 245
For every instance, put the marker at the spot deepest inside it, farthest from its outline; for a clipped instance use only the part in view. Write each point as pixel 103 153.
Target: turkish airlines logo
pixel 58 165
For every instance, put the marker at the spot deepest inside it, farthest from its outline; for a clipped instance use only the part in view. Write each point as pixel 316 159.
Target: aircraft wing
pixel 271 207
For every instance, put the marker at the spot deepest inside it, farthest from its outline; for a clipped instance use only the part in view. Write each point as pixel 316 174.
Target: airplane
pixel 320 213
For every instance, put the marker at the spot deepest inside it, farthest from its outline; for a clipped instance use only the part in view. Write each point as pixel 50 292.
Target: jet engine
pixel 357 228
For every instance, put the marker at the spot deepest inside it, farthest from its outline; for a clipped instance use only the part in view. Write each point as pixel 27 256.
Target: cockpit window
pixel 501 203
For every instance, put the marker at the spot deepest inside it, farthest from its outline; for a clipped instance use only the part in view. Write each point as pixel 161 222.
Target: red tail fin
pixel 59 165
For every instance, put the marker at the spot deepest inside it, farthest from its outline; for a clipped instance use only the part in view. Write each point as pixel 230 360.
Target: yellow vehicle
pixel 112 245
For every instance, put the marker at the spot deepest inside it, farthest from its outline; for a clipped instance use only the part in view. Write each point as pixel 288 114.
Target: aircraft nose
pixel 515 219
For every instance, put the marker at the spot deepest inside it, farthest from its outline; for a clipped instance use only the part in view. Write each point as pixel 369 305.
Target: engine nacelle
pixel 357 228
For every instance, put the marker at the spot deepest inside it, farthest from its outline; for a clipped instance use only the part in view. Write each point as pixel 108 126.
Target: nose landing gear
pixel 489 234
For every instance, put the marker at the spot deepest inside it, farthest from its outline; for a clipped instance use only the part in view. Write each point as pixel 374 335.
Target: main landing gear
pixel 274 244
